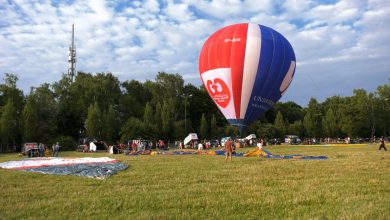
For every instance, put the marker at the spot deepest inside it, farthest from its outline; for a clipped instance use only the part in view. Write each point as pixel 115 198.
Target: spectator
pixel 56 149
pixel 200 146
pixel 228 149
pixel 382 145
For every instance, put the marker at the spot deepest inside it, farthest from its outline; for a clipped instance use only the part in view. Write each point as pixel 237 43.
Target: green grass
pixel 353 184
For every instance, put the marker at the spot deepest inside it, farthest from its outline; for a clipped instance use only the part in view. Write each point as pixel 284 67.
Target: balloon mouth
pixel 241 124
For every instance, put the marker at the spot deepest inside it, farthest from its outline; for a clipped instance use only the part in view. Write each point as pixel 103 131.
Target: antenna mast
pixel 72 58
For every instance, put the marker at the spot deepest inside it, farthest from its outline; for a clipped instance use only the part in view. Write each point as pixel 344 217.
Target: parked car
pixel 30 149
pixel 274 141
pixel 214 143
pixel 224 139
pixel 292 139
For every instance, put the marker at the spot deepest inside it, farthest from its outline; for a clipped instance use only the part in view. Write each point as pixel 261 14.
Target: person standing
pixel 134 146
pixel 382 145
pixel 162 145
pixel 41 149
pixel 260 143
pixel 52 149
pixel 228 149
pixel 200 146
pixel 56 149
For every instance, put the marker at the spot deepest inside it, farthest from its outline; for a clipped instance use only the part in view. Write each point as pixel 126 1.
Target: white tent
pixel 190 137
pixel 251 136
pixel 92 147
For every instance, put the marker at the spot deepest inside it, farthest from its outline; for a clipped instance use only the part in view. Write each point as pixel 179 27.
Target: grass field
pixel 354 183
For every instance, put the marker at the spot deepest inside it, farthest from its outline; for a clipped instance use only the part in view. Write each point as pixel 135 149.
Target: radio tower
pixel 72 58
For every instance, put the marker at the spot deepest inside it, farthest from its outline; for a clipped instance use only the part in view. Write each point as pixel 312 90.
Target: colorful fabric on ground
pixel 269 155
pixel 255 152
pixel 99 168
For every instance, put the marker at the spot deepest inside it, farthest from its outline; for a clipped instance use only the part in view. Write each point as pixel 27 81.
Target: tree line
pixel 100 106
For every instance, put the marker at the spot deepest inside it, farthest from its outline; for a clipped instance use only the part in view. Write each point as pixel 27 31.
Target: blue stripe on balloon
pixel 280 71
pixel 256 108
pixel 277 66
pixel 275 59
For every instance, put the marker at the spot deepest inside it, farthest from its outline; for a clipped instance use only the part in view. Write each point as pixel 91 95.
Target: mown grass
pixel 352 184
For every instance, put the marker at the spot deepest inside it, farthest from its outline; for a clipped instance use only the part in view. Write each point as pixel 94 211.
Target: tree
pixel 330 124
pixel 203 130
pixel 267 131
pixel 149 124
pixel 8 125
pixel 383 110
pixel 296 128
pixel 10 93
pixel 171 87
pixel 231 130
pixel 290 110
pixel 158 118
pixel 46 108
pixel 280 125
pixel 166 121
pixel 213 127
pixel 71 111
pixel 132 129
pixel 335 105
pixel 357 115
pixel 29 120
pixel 313 118
pixel 148 114
pixel 133 100
pixel 309 124
pixel 93 122
pixel 156 110
pixel 110 125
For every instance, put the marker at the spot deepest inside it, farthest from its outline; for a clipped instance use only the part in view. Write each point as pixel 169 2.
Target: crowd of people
pixel 40 150
pixel 136 146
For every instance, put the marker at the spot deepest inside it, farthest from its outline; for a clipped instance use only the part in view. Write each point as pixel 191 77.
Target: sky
pixel 339 45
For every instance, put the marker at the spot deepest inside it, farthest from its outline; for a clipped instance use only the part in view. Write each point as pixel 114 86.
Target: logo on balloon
pixel 219 91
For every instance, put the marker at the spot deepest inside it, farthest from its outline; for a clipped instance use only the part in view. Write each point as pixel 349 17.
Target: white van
pixel 292 139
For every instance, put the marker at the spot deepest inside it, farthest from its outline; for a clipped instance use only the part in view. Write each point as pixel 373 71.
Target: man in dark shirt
pixel 382 144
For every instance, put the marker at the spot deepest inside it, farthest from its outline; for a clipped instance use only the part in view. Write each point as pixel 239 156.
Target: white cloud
pixel 178 12
pixel 225 9
pixel 345 40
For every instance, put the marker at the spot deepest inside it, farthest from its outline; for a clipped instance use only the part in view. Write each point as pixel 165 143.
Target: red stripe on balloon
pixel 226 49
pixel 237 58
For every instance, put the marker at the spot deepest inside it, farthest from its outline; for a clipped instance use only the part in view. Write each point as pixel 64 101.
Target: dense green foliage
pixel 352 184
pixel 100 106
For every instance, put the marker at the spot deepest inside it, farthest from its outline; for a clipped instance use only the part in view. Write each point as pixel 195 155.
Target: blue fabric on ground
pixel 294 155
pixel 315 158
pixel 219 152
pixel 93 170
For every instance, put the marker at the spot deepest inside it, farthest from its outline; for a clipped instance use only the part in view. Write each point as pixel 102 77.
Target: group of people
pixel 229 147
pixel 142 145
pixel 42 149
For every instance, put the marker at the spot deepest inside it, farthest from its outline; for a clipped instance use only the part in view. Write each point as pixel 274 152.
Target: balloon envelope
pixel 246 68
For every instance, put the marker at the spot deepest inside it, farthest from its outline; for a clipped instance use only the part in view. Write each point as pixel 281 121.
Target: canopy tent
pixel 190 137
pixel 251 136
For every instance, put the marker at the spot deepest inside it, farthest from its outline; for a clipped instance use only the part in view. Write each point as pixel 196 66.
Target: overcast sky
pixel 339 45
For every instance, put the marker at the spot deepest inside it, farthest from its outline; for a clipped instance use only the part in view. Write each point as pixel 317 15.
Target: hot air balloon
pixel 246 68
